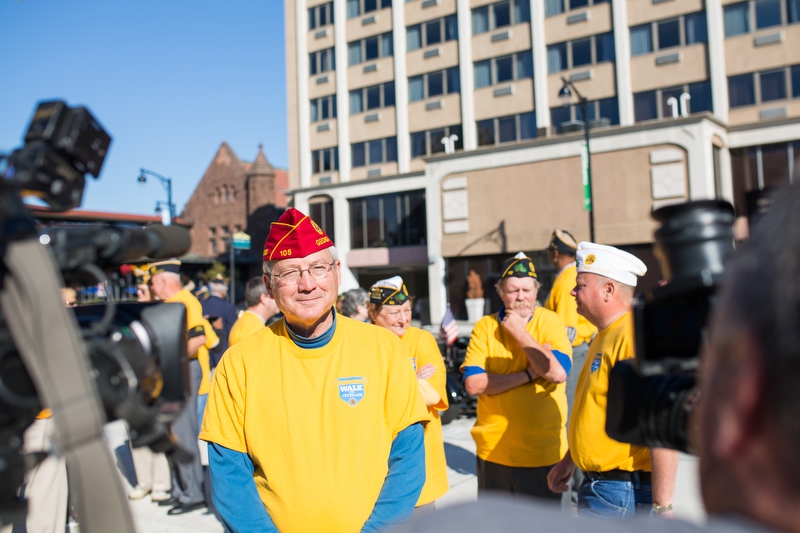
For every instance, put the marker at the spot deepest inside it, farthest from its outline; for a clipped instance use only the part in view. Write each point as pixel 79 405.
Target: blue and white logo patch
pixel 414 363
pixel 351 390
pixel 596 362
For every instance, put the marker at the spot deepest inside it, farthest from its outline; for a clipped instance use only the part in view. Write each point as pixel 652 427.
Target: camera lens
pixel 665 408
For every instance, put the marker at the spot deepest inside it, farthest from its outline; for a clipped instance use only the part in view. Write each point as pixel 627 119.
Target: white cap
pixel 609 262
pixel 395 282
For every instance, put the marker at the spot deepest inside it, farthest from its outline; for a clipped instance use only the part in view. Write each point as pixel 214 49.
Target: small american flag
pixel 449 329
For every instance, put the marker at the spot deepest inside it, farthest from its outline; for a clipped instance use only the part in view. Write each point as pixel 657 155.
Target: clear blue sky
pixel 168 79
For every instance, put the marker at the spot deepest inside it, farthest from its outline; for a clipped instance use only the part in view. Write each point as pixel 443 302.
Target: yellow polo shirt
pixel 245 325
pixel 194 318
pixel 592 450
pixel 563 303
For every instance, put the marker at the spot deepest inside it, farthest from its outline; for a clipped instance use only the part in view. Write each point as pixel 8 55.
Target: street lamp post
pixel 166 182
pixel 565 95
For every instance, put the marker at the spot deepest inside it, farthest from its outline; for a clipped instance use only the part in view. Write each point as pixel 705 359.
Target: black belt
pixel 621 475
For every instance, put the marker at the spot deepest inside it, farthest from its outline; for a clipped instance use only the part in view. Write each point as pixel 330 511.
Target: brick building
pixel 233 196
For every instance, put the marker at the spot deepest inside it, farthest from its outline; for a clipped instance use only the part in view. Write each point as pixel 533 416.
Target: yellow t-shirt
pixel 591 448
pixel 563 303
pixel 319 423
pixel 524 426
pixel 245 325
pixel 194 318
pixel 423 349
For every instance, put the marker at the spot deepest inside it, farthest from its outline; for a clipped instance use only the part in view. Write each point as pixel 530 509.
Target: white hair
pixel 267 266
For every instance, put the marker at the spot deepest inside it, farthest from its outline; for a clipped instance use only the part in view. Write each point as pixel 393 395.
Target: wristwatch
pixel 658 509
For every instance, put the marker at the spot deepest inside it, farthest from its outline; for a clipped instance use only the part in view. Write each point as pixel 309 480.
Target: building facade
pixel 687 99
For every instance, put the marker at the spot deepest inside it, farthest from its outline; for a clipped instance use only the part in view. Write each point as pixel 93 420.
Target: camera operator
pixel 619 477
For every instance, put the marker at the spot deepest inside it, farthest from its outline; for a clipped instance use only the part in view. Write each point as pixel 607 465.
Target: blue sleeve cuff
pixel 564 360
pixel 234 491
pixel 471 371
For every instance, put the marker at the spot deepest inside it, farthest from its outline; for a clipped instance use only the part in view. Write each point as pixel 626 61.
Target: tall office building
pixel 429 138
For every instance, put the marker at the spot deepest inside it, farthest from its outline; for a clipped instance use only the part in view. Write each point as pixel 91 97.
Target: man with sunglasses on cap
pixel 517 362
pixel 314 423
pixel 621 480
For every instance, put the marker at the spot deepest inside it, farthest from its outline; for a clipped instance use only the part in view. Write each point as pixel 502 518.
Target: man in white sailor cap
pixel 621 480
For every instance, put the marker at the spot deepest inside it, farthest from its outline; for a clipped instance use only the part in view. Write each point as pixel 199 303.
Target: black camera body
pixel 650 397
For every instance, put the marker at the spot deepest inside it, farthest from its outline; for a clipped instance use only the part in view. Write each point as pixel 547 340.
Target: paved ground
pixel 460 450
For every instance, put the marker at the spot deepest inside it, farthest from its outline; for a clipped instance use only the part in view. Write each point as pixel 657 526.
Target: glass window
pixel 387 45
pixel 314 116
pixel 358 155
pixel 669 34
pixel 388 94
pixel 375 151
pixel 413 38
pixel 522 11
pixel 326 110
pixel 524 65
pixel 435 84
pixel 326 161
pixel 312 20
pixel 581 52
pixel 353 8
pixel 391 149
pixel 701 97
pixel 480 20
pixel 436 141
pixel 604 47
pixel 609 108
pixel 451 28
pixel 737 19
pixel 644 106
pixel 418 144
pixel 456 130
pixel 796 82
pixel 354 53
pixel 391 203
pixel 741 91
pixel 775 164
pixel 744 170
pixel 373 222
pixel 641 40
pixel 483 74
pixel 768 13
pixel 453 80
pixel 666 109
pixel 575 4
pixel 773 85
pixel 357 223
pixel 553 7
pixel 324 65
pixel 507 129
pixel 559 115
pixel 696 28
pixel 793 13
pixel 556 57
pixel 416 89
pixel 374 97
pixel 386 3
pixel 527 125
pixel 433 32
pixel 485 132
pixel 370 5
pixel 505 69
pixel 315 166
pixel 312 63
pixel 356 102
pixel 371 49
pixel 502 14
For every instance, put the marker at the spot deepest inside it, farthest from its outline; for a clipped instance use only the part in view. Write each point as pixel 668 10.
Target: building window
pixel 570 54
pixel 388 220
pixel 369 49
pixel 681 31
pixel 319 16
pixel 374 97
pixel 213 246
pixel 506 129
pixel 758 167
pixel 323 108
pixel 324 160
pixel 362 7
pixel 500 15
pixel 321 61
pixel 431 32
pixel 430 142
pixel 434 84
pixel 607 108
pixel 374 152
pixel 501 69
pixel 766 86
pixel 649 105
pixel 759 14
pixel 321 212
pixel 554 7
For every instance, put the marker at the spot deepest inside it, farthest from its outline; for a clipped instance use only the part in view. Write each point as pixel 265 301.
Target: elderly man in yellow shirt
pixel 260 309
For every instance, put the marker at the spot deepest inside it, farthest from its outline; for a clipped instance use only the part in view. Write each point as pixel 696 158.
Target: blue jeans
pixel 614 499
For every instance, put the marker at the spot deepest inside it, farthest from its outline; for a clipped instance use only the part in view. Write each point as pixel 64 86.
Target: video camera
pixel 651 397
pixel 105 361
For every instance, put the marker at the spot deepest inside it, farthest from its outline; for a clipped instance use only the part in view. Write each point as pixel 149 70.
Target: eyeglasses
pixel 292 276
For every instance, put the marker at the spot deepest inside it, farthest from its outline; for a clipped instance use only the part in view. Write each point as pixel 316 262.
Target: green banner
pixel 587 195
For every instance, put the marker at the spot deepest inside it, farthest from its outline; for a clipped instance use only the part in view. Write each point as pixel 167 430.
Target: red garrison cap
pixel 294 235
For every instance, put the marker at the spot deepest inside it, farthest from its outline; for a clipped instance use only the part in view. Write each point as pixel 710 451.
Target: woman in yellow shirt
pixel 390 307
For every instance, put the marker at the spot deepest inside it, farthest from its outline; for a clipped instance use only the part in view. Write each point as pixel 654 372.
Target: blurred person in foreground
pixel 389 307
pixel 260 310
pixel 621 480
pixel 314 423
pixel 517 362
pixel 354 304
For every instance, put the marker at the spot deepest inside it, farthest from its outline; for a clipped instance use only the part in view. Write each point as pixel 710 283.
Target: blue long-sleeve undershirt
pixel 234 491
